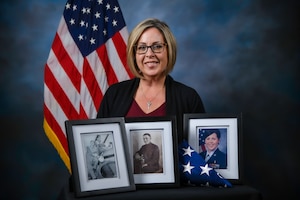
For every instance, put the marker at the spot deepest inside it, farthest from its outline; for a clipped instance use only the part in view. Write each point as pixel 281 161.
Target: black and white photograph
pixel 99 151
pixel 99 156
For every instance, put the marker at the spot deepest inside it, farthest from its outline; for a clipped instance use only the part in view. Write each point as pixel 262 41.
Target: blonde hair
pixel 135 35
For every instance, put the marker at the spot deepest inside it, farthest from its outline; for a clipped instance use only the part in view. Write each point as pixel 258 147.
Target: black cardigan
pixel 180 99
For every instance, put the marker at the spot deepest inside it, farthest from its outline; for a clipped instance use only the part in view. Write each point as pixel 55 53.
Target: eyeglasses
pixel 156 48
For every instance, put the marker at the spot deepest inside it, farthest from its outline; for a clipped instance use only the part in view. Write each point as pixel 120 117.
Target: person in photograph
pixel 96 160
pixel 213 156
pixel 92 160
pixel 146 159
pixel 151 56
pixel 102 147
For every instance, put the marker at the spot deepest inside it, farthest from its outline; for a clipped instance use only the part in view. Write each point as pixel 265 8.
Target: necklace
pixel 149 102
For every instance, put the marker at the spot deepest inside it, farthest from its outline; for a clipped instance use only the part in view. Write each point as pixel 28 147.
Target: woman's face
pixel 211 142
pixel 151 64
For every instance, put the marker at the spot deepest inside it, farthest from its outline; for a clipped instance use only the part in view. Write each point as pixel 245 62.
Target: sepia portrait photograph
pixel 147 148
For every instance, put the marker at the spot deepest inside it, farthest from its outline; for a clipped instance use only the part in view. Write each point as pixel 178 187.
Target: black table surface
pixel 237 192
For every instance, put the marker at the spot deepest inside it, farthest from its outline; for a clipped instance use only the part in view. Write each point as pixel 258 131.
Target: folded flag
pixel 194 170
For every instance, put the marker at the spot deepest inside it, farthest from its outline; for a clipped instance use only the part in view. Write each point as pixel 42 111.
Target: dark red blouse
pixel 136 111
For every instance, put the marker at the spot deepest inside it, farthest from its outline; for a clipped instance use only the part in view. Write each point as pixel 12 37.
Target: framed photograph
pixel 153 151
pixel 99 156
pixel 217 138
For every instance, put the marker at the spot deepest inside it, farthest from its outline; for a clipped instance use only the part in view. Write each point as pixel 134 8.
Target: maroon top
pixel 136 111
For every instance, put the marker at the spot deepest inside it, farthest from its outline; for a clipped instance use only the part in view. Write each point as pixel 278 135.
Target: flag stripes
pixel 77 73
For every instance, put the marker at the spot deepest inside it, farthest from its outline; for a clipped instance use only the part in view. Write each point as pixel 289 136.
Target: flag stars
pixel 68 6
pixel 92 41
pixel 114 23
pixel 116 9
pixel 74 7
pixel 188 151
pixel 72 21
pixel 86 10
pixel 108 6
pixel 95 27
pixel 82 23
pixel 205 169
pixel 97 15
pixel 82 26
pixel 80 37
pixel 195 171
pixel 188 168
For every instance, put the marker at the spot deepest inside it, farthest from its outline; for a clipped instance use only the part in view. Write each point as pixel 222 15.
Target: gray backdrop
pixel 241 56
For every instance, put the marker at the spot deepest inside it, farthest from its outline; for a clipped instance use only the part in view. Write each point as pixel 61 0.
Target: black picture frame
pixel 230 128
pixel 99 156
pixel 163 133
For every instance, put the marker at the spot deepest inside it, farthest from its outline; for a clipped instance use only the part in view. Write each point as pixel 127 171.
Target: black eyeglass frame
pixel 151 47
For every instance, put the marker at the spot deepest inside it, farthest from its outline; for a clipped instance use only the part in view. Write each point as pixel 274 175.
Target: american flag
pixel 194 170
pixel 88 54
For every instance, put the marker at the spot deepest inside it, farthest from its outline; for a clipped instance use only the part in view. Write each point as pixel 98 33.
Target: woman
pixel 213 156
pixel 151 56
